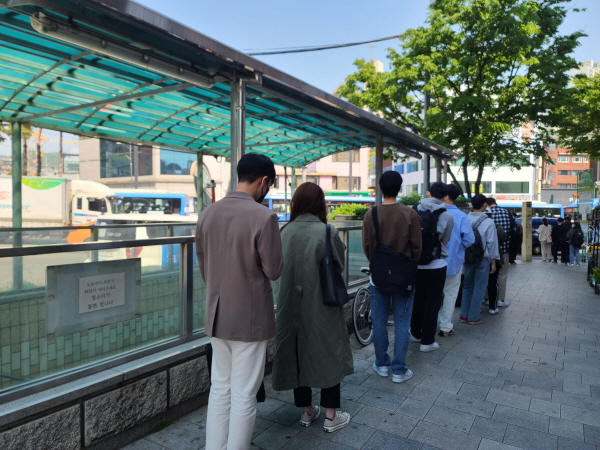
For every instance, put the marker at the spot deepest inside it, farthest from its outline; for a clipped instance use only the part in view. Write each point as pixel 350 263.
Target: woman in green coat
pixel 312 348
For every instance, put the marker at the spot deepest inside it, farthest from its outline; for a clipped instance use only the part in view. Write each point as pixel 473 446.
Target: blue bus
pixel 148 202
pixel 539 209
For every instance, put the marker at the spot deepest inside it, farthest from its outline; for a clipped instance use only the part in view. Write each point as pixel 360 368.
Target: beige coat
pixel 239 251
pixel 543 232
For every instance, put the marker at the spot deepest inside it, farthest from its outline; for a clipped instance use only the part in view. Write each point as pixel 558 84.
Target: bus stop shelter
pixel 117 70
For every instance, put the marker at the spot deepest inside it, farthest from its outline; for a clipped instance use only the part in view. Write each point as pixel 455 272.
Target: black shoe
pixel 446 333
pixel 554 262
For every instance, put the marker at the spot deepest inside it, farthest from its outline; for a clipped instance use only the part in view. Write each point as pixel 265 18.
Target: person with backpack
pixel 391 237
pixel 575 239
pixel 564 229
pixel 461 238
pixel 516 240
pixel 436 229
pixel 492 286
pixel 480 261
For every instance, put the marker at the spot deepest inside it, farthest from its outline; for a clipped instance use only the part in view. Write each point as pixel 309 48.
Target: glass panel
pixel 199 296
pixel 34 238
pixel 47 326
pixel 512 187
pixel 116 159
pixel 174 162
pixel 356 257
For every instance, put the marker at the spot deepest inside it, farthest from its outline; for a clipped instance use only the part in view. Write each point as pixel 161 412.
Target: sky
pixel 268 24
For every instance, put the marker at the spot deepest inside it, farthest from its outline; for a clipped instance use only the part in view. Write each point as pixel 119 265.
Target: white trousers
pixel 450 293
pixel 237 371
pixel 546 250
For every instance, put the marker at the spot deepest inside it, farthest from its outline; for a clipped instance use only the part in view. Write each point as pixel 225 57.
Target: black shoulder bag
pixel 392 273
pixel 333 285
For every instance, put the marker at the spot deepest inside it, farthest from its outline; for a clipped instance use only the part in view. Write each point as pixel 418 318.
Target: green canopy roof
pixel 120 71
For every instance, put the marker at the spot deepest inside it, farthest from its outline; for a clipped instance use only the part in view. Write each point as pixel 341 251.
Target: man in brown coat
pixel 239 252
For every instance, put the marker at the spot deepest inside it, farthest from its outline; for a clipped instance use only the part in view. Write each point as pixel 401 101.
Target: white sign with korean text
pixel 101 292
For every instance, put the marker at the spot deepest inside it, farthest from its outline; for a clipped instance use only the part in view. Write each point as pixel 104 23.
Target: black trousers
pixel 492 289
pixel 555 248
pixel 564 252
pixel 429 295
pixel 330 397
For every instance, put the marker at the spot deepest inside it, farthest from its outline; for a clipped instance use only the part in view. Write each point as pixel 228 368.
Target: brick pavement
pixel 528 378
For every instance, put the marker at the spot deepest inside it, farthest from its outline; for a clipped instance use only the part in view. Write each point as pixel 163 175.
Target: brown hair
pixel 309 199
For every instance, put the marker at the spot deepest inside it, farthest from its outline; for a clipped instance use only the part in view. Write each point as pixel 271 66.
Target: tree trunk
pixel 455 179
pixel 38 147
pixel 60 155
pixel 465 168
pixel 479 176
pixel 25 157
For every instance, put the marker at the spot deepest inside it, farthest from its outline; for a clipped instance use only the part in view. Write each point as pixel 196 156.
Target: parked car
pixel 536 249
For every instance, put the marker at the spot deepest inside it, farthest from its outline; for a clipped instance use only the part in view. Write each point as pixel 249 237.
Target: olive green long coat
pixel 312 347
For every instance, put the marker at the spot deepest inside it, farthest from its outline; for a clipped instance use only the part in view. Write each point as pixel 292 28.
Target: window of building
pixel 343 183
pixel 400 168
pixel 574 186
pixel 576 159
pixel 412 166
pixel 175 162
pixel 116 159
pixel 412 189
pixel 485 187
pixel 552 146
pixel 586 159
pixel 345 156
pixel 563 159
pixel 551 175
pixel 563 172
pixel 564 186
pixel 512 187
pixel 313 179
pixel 575 172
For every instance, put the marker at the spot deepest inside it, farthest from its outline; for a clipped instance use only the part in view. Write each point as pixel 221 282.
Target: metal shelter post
pixel 238 126
pixel 199 182
pixel 294 182
pixel 136 165
pixel 445 175
pixel 378 167
pixel 285 189
pixel 304 174
pixel 351 155
pixel 426 174
pixel 17 203
pixel 438 169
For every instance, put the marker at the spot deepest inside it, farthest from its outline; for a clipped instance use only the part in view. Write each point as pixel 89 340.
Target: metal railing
pixel 185 269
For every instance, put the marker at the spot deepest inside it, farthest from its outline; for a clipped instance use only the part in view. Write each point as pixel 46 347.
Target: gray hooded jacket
pixel 444 228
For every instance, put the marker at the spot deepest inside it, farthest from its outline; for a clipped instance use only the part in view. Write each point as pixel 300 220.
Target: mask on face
pixel 262 197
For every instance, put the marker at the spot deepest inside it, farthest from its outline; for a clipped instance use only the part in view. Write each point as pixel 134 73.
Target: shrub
pixel 461 200
pixel 349 209
pixel 410 200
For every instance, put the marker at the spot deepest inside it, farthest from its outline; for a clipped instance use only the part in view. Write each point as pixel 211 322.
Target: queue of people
pixel 417 256
pixel 567 237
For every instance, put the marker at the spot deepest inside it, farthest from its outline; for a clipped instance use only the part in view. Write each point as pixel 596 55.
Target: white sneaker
pixel 500 303
pixel 412 338
pixel 306 420
pixel 402 378
pixel 340 421
pixel 494 311
pixel 430 347
pixel 382 371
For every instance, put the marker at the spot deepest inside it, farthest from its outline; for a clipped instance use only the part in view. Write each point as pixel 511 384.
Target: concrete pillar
pixel 238 126
pixel 17 203
pixel 378 167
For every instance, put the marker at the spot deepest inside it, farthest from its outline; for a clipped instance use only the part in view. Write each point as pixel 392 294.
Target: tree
pixel 488 66
pixel 579 127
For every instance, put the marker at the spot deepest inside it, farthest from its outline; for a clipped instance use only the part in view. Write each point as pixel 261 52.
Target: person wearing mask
pixel 545 237
pixel 564 229
pixel 503 218
pixel 575 238
pixel 431 272
pixel 400 229
pixel 555 235
pixel 461 238
pixel 312 348
pixel 477 272
pixel 492 287
pixel 239 254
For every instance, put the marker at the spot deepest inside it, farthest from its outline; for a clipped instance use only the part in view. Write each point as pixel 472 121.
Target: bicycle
pixel 361 314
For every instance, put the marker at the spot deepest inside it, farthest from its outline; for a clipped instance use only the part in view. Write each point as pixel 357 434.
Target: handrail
pixel 91 227
pixel 89 246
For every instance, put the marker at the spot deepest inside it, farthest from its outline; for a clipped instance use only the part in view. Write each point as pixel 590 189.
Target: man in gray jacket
pixel 477 272
pixel 431 273
pixel 239 252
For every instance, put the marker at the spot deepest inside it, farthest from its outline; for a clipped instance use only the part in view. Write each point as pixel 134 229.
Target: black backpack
pixel 577 238
pixel 393 273
pixel 475 252
pixel 431 246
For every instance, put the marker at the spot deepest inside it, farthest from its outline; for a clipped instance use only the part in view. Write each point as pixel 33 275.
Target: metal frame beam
pixel 312 139
pixel 238 126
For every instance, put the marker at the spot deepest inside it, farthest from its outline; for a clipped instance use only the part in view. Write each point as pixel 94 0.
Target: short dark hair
pixel 491 201
pixel 390 183
pixel 438 190
pixel 478 201
pixel 568 218
pixel 561 220
pixel 453 191
pixel 253 166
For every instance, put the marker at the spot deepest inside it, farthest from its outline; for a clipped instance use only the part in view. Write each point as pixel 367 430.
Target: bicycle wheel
pixel 361 317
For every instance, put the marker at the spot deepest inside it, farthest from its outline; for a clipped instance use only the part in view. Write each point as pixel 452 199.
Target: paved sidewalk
pixel 528 378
